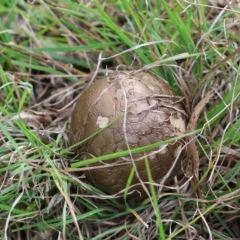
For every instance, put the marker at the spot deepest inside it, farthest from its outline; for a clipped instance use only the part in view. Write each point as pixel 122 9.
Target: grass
pixel 50 50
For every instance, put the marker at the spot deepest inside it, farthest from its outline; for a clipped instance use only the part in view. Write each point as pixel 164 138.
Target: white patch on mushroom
pixel 178 123
pixel 178 151
pixel 163 149
pixel 125 159
pixel 102 121
pixel 152 156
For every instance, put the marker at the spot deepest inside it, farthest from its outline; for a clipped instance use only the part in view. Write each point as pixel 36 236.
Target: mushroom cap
pixel 150 113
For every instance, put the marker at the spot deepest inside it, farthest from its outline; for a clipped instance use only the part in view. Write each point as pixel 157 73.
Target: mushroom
pixel 150 114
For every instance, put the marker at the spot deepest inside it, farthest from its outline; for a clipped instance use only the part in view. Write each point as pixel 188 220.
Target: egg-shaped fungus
pixel 148 113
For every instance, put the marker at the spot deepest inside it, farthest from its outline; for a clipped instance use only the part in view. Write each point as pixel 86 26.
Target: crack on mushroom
pixel 150 120
pixel 178 123
pixel 125 135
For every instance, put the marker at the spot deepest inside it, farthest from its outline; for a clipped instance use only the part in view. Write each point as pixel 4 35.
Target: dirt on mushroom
pixel 151 113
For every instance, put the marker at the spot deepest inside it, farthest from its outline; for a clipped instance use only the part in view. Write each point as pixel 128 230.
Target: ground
pixel 51 50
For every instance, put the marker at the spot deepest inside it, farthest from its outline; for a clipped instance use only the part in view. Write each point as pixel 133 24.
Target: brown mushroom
pixel 151 113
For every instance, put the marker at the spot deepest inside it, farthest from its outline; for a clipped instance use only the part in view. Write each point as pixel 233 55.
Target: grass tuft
pixel 50 51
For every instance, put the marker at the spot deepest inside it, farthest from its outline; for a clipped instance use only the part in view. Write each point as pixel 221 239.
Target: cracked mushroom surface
pixel 150 113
